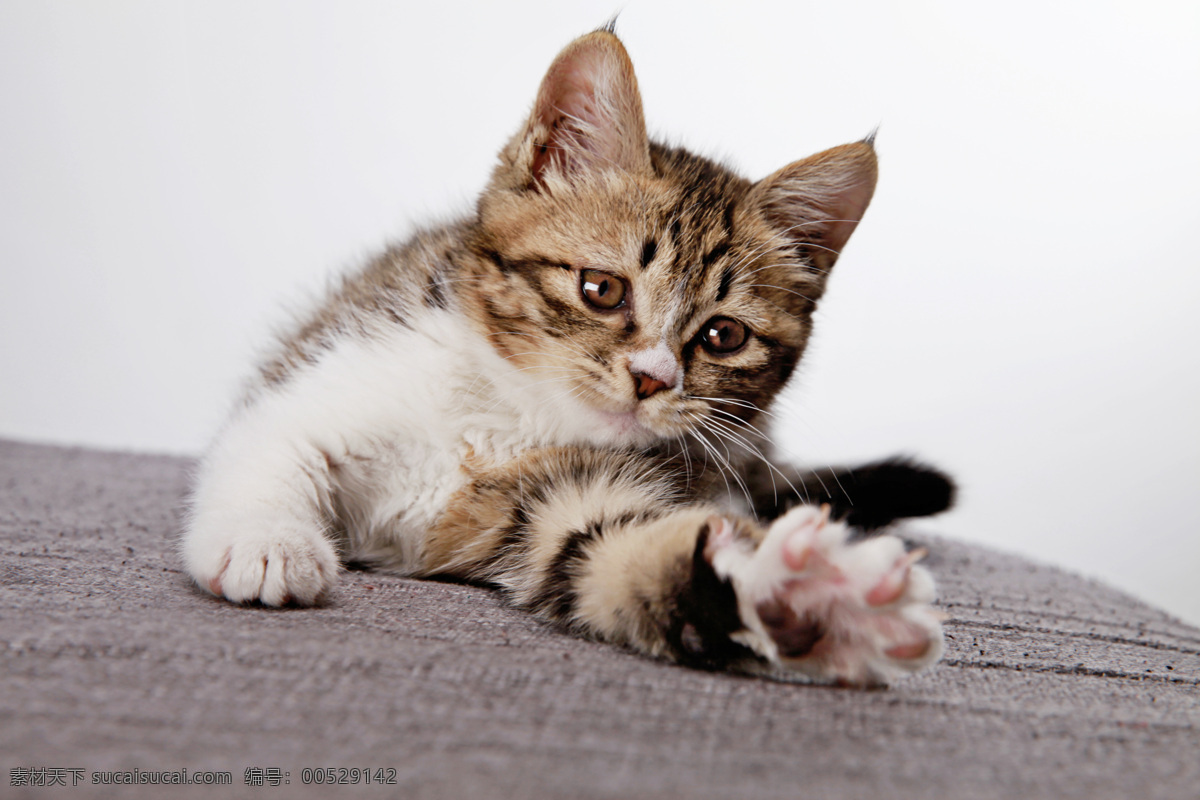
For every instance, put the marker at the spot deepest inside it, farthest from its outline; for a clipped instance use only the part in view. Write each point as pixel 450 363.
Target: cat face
pixel 654 290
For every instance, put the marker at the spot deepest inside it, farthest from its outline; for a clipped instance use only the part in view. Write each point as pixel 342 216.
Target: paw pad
pixel 851 613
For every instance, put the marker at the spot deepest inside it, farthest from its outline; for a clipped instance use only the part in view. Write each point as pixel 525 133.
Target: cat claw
pixel 892 586
pixel 848 613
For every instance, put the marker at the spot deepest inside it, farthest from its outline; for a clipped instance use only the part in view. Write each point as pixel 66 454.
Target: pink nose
pixel 647 385
pixel 653 369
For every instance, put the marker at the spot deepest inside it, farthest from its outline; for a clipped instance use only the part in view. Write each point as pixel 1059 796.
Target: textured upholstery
pixel 1053 686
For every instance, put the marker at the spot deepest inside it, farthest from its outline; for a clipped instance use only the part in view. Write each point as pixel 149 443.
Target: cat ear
pixel 817 202
pixel 588 114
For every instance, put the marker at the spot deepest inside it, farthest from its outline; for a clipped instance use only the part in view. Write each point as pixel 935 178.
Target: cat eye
pixel 722 335
pixel 602 290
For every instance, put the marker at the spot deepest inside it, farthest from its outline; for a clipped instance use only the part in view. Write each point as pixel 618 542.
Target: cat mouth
pixel 633 427
pixel 625 422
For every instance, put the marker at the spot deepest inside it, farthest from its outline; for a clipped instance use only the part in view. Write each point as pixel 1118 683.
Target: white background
pixel 1019 305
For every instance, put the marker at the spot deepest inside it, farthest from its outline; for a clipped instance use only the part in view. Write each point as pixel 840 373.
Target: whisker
pixel 762 457
pixel 726 461
pixel 782 289
pixel 737 402
pixel 783 235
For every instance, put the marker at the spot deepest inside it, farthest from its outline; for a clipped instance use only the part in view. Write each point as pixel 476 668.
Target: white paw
pixel 856 613
pixel 270 565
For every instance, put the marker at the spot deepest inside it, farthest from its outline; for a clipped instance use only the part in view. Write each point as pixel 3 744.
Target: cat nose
pixel 647 385
pixel 653 369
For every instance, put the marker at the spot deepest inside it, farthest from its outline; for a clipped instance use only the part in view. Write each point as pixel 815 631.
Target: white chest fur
pixel 374 435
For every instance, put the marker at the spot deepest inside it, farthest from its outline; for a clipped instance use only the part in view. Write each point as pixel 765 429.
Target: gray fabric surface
pixel 1053 686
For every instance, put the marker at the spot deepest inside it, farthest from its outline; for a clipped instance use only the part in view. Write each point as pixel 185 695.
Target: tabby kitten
pixel 562 396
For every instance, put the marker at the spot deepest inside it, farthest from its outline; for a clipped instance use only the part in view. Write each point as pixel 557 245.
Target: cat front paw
pixel 852 613
pixel 272 566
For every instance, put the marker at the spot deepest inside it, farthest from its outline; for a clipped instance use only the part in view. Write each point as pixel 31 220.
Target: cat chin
pixel 626 429
pixel 623 428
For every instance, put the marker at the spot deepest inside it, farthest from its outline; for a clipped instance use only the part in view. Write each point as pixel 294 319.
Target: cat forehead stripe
pixel 649 250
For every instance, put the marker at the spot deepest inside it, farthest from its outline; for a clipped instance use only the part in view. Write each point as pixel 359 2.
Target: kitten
pixel 562 396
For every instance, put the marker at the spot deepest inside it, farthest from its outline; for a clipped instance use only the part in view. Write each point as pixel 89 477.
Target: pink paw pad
pixel 852 613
